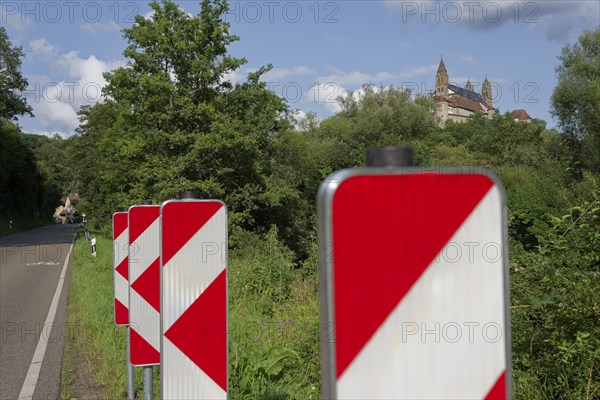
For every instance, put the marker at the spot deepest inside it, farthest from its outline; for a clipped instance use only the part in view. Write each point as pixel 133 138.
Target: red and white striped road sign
pixel 120 267
pixel 413 270
pixel 144 285
pixel 194 300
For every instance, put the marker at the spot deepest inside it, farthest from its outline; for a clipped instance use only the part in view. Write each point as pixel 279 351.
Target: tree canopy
pixel 576 98
pixel 12 82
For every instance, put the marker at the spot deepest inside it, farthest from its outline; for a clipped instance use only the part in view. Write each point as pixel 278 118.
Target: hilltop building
pixel 458 104
pixel 67 212
pixel 521 115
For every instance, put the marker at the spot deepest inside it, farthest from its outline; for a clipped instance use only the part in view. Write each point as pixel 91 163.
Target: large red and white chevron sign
pixel 120 267
pixel 144 285
pixel 194 300
pixel 414 283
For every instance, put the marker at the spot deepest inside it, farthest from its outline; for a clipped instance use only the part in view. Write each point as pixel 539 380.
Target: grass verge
pixel 95 338
pixel 273 323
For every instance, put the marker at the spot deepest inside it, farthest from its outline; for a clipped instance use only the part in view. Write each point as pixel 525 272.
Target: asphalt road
pixel 31 263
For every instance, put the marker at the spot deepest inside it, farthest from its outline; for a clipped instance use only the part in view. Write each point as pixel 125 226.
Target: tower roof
pixel 442 67
pixel 469 85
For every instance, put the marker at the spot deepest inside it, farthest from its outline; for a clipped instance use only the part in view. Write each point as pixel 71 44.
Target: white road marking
pixel 38 356
pixel 42 263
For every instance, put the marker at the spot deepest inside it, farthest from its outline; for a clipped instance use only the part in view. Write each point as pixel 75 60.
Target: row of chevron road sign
pixel 413 285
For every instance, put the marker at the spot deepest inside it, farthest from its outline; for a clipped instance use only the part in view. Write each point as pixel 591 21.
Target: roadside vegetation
pixel 195 130
pixel 29 191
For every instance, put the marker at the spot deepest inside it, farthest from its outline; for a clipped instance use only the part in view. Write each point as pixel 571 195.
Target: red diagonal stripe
pixel 121 313
pixel 498 391
pixel 119 224
pixel 140 218
pixel 201 331
pixel 181 220
pixel 142 352
pixel 386 230
pixel 123 268
pixel 148 285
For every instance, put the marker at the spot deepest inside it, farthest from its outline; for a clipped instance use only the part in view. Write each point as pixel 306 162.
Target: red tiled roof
pixel 72 198
pixel 461 102
pixel 520 114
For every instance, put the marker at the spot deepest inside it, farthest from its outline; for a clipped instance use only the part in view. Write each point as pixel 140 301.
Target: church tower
pixel 469 85
pixel 486 92
pixel 441 80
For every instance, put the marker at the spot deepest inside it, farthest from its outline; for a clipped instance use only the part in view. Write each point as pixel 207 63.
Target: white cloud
pixel 326 95
pixel 54 114
pixel 277 74
pixel 55 102
pixel 148 15
pixel 340 77
pixel 42 47
pixel 87 70
pixel 234 76
pixel 94 28
pixel 329 87
pixel 558 20
pixel 298 117
pixel 413 72
pixel 562 21
pixel 299 114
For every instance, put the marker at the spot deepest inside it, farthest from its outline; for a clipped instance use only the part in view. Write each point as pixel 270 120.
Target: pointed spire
pixel 469 85
pixel 442 66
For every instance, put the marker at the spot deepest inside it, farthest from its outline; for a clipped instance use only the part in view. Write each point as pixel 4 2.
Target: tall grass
pixel 273 320
pixel 90 313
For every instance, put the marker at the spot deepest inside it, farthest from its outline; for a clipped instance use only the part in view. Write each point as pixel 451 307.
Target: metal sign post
pixel 121 286
pixel 413 279
pixel 193 299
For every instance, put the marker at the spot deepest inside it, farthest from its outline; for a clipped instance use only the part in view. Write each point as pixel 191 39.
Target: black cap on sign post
pixel 390 156
pixel 189 194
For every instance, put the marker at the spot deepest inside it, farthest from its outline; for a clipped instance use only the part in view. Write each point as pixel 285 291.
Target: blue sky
pixel 319 49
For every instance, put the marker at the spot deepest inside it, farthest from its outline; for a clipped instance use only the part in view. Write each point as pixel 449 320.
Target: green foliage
pixel 556 307
pixel 27 191
pixel 377 117
pixel 12 104
pixel 273 321
pixel 192 129
pixel 576 98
